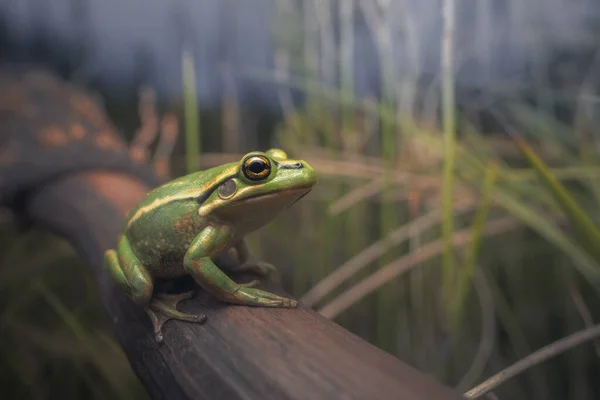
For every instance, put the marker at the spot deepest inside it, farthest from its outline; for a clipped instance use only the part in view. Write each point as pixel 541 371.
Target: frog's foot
pixel 256 297
pixel 164 307
pixel 261 268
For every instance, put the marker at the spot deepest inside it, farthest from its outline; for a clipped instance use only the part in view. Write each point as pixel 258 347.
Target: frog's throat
pixel 200 192
pixel 207 209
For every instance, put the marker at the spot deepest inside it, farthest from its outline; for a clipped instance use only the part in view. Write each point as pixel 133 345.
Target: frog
pixel 183 226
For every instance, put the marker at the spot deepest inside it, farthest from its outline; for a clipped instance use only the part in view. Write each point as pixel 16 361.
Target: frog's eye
pixel 227 189
pixel 256 168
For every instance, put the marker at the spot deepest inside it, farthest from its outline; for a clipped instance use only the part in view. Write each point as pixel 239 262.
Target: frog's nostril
pixel 296 165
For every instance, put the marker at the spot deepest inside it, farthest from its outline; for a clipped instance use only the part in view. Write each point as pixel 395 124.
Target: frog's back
pixel 161 227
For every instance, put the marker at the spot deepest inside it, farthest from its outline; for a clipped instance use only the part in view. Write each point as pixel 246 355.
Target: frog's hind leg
pixel 111 261
pixel 251 263
pixel 133 277
pixel 129 273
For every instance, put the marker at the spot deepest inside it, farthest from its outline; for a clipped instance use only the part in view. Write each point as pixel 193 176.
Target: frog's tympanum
pixel 180 228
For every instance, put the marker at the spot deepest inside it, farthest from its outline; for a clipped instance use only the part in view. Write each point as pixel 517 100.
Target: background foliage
pixel 432 234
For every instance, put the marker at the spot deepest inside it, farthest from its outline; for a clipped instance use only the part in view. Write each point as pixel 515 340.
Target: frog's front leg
pixel 197 262
pixel 134 278
pixel 249 262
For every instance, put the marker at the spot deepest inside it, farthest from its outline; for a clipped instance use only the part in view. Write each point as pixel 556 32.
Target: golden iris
pixel 256 168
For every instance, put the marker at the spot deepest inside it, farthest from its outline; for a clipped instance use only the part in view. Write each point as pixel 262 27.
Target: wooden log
pixel 63 166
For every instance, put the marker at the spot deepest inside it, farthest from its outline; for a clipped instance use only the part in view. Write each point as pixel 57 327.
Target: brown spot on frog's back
pixel 184 224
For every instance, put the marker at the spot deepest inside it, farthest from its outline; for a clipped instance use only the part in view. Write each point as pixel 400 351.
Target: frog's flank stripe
pixel 186 195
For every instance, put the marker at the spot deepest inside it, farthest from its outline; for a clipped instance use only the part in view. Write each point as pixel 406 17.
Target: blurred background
pixel 430 234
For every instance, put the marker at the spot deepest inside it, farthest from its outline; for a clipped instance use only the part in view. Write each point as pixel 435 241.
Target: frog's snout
pixel 305 173
pixel 308 173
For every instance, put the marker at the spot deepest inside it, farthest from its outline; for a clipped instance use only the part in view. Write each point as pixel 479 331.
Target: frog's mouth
pixel 285 192
pixel 299 197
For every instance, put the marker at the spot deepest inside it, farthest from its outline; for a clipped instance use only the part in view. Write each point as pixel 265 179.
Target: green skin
pixel 180 228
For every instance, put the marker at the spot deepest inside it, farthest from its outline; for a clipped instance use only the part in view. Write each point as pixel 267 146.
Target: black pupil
pixel 257 166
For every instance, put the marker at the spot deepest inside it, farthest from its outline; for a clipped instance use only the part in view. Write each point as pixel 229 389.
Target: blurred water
pixel 140 41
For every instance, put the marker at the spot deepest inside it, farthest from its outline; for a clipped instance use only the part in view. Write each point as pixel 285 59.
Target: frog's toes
pixel 164 307
pixel 257 297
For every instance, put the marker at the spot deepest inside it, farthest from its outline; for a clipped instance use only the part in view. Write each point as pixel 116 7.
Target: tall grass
pixel 191 117
pixel 449 123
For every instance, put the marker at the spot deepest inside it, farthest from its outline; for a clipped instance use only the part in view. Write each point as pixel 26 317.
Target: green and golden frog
pixel 179 229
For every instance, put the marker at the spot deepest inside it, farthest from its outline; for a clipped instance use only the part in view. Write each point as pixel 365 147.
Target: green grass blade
pixel 472 250
pixel 190 103
pixel 586 265
pixel 449 124
pixel 587 233
pixel 583 261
